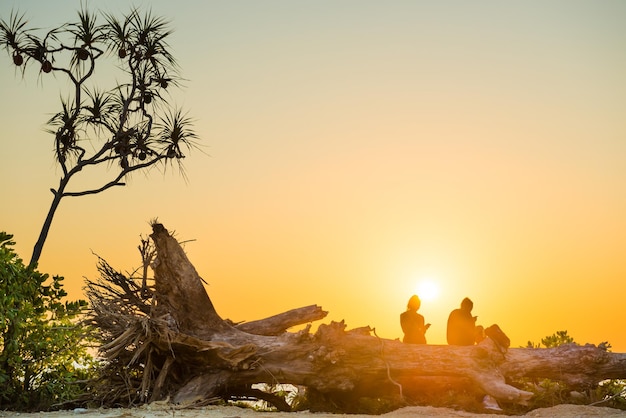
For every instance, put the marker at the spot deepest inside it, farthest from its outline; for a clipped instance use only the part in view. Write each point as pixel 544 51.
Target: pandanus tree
pixel 129 127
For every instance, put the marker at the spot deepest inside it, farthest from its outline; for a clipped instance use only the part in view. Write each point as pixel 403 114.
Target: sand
pixel 160 410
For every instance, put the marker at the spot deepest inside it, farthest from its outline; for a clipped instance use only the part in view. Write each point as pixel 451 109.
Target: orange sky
pixel 353 149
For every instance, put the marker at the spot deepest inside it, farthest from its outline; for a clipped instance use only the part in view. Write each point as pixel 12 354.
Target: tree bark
pixel 203 356
pixel 277 324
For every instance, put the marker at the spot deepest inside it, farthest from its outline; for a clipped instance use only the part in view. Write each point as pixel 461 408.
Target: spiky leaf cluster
pixel 131 124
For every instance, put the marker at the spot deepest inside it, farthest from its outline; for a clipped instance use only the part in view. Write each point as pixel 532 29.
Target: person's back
pixel 462 325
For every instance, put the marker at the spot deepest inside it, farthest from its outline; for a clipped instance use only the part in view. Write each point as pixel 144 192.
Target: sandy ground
pixel 156 410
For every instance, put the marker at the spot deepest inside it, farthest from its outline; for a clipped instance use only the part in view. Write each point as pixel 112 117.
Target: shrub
pixel 44 356
pixel 549 392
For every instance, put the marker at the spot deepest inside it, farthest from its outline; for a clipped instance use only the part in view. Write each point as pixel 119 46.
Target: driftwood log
pixel 175 346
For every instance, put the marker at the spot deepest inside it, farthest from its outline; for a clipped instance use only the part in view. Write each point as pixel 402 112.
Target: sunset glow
pixel 427 289
pixel 356 153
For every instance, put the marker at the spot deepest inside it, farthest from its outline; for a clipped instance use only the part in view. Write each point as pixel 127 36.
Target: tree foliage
pixel 43 349
pixel 557 339
pixel 550 392
pixel 128 127
pixel 554 340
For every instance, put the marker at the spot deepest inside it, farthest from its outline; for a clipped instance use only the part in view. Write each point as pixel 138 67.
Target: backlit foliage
pixel 43 349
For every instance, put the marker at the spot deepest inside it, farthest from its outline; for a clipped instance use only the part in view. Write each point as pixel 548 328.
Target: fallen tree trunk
pixel 277 324
pixel 185 351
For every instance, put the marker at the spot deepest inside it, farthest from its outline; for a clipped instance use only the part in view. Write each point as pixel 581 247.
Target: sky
pixel 353 151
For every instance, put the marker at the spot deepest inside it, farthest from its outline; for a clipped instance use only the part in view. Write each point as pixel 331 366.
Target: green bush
pixel 549 392
pixel 554 340
pixel 44 356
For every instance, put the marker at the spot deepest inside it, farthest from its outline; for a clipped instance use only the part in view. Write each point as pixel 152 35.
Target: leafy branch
pixel 129 127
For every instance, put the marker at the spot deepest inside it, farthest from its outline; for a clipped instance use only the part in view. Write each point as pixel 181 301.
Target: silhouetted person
pixel 412 323
pixel 462 325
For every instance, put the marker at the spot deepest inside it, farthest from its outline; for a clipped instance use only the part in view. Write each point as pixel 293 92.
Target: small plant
pixel 43 349
pixel 554 340
pixel 549 392
pixel 611 393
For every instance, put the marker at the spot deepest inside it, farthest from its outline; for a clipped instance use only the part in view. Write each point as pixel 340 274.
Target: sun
pixel 427 289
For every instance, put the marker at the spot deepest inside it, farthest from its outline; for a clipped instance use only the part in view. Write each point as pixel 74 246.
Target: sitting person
pixel 462 325
pixel 412 323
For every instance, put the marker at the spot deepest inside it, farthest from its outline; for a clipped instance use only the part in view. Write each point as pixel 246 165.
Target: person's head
pixel 467 304
pixel 414 303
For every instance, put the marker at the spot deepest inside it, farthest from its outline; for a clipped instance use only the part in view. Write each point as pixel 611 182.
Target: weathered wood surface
pixel 196 355
pixel 277 324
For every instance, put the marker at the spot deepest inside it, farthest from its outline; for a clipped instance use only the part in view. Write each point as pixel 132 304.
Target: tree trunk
pixel 196 356
pixel 277 324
